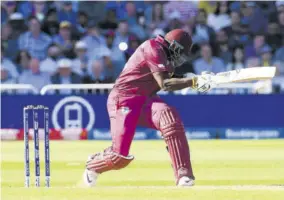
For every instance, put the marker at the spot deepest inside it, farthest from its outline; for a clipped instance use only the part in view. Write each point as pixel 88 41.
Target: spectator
pixel 237 30
pixel 118 7
pixel 273 36
pixel 279 59
pixel 50 24
pixel 187 9
pixel 82 24
pixel 18 25
pixel 138 29
pixel 238 59
pixel 34 76
pixel 236 22
pixel 246 36
pixel 266 55
pixel 279 70
pixel 65 75
pixel 26 8
pixel 7 64
pixel 23 60
pixel 133 44
pixel 67 13
pixel 281 22
pixel 96 75
pixel 221 17
pixel 174 21
pixel 157 19
pixel 80 63
pixel 279 54
pixel 6 77
pixel 122 34
pixel 35 41
pixel 109 71
pixel 39 10
pixel 103 54
pixel 49 65
pixel 95 10
pixel 130 17
pixel 202 32
pixel 7 9
pixel 208 6
pixel 59 4
pixel 94 40
pixel 252 50
pixel 236 26
pixel 9 43
pixel 118 41
pixel 117 56
pixel 110 22
pixel 64 40
pixel 256 19
pixel 207 62
pixel 223 44
pixel 267 7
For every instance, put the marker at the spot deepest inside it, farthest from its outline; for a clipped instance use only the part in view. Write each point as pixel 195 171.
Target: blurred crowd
pixel 64 42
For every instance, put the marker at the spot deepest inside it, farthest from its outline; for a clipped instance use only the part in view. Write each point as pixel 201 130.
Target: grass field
pixel 224 170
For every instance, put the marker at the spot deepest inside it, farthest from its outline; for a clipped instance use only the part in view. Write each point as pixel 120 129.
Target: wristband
pixel 194 80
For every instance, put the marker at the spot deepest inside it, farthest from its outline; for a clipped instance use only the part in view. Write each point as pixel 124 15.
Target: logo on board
pixel 73 112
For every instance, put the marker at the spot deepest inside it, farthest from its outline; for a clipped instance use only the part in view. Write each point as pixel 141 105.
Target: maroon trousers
pixel 126 112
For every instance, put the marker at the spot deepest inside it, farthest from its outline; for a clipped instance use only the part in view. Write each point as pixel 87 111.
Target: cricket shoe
pixel 185 182
pixel 90 177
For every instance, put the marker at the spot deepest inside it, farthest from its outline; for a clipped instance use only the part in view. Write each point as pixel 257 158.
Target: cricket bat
pixel 244 75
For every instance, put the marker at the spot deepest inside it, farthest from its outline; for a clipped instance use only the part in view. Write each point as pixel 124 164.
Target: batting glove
pixel 203 83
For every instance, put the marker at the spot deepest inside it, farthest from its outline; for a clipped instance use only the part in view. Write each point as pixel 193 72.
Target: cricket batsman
pixel 133 101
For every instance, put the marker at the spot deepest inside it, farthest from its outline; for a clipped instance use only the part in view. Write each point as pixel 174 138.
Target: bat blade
pixel 245 75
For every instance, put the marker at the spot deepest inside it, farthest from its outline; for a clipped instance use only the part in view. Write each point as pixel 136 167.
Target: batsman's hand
pixel 203 83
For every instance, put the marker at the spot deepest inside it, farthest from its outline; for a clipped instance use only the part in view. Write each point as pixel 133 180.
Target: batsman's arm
pixel 171 84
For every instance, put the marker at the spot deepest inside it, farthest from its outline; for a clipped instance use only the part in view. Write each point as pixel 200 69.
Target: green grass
pixel 220 166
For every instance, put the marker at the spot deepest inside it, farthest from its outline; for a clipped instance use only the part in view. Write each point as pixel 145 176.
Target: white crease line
pixel 199 187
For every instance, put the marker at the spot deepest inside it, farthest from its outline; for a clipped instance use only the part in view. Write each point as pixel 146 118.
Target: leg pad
pixel 174 134
pixel 107 160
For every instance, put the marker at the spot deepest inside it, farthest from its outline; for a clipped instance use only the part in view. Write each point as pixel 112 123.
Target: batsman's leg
pixel 157 114
pixel 124 116
pixel 173 132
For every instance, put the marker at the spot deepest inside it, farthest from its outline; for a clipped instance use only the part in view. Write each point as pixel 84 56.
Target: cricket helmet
pixel 180 43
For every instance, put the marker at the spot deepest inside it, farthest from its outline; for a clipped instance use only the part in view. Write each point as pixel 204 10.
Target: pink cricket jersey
pixel 137 75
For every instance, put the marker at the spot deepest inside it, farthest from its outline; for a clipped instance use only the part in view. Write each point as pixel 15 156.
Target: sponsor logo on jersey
pixel 124 110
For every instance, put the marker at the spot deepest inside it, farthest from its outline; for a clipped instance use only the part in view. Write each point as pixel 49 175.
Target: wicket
pixel 35 111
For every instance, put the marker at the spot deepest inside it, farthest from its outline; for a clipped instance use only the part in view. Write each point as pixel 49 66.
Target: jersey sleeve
pixel 157 60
